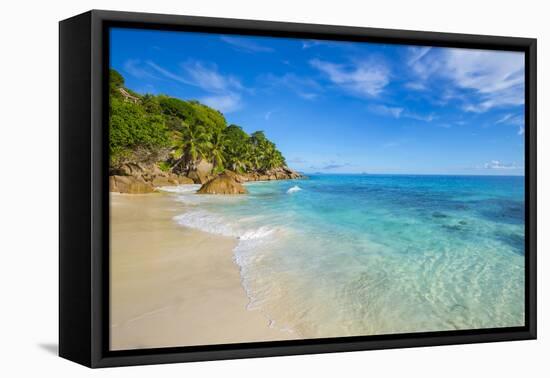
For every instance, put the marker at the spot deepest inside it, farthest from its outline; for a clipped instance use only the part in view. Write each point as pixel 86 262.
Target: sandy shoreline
pixel 173 286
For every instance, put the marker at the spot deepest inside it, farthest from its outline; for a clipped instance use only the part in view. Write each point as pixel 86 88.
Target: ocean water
pixel 342 255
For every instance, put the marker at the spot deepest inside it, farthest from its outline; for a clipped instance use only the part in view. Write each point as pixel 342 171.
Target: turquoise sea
pixel 341 255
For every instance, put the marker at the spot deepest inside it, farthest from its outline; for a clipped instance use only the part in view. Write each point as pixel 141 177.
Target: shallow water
pixel 339 255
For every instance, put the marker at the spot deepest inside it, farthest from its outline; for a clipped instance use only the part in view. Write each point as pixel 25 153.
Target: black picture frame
pixel 84 194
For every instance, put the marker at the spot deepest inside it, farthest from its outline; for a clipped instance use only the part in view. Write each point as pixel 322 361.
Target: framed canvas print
pixel 233 188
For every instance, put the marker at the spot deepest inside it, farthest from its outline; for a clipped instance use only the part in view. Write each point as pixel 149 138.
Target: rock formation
pixel 129 184
pixel 144 178
pixel 223 184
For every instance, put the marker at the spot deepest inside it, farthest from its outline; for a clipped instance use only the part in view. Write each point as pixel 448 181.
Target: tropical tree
pixel 131 129
pixel 194 146
pixel 180 133
pixel 115 81
pixel 236 150
pixel 216 150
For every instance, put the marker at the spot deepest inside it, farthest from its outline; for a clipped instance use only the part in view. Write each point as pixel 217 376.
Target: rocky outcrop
pixel 129 184
pixel 198 178
pixel 201 173
pixel 240 178
pixel 223 184
pixel 182 180
pixel 164 181
pixel 131 178
pixel 281 173
pixel 144 178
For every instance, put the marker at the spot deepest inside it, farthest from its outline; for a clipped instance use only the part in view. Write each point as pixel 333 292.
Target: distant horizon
pixel 407 174
pixel 335 107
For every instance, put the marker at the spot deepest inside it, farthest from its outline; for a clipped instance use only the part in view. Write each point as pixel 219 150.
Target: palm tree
pixel 235 158
pixel 216 149
pixel 194 146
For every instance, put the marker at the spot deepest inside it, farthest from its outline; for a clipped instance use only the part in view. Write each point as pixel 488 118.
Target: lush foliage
pixel 178 134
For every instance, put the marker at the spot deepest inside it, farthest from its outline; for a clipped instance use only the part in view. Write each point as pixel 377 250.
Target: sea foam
pixel 206 221
pixel 294 189
pixel 188 188
pixel 212 223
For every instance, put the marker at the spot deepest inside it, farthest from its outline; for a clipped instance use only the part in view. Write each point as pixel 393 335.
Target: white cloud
pixel 496 164
pixel 495 78
pixel 309 43
pixel 420 117
pixel 424 62
pixel 486 71
pixel 135 68
pixel 364 79
pixel 245 44
pixel 167 74
pixel 511 119
pixel 416 86
pixel 225 103
pixel 223 90
pixel 399 112
pixel 199 75
pixel 514 120
pixel 208 78
pixel 394 112
pixel 504 118
pixel 304 87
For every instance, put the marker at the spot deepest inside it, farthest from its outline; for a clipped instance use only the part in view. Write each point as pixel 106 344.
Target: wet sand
pixel 172 286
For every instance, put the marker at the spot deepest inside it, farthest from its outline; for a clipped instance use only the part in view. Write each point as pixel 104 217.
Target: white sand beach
pixel 172 286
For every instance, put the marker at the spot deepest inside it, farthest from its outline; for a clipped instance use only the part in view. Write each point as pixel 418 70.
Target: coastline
pixel 175 286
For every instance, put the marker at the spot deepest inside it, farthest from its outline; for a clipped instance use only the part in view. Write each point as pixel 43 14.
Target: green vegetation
pixel 178 134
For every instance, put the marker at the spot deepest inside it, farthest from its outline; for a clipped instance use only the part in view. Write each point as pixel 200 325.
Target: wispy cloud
pixel 364 79
pixel 511 119
pixel 396 143
pixel 306 44
pixel 486 79
pixel 136 68
pixel 167 74
pixel 208 78
pixel 309 43
pixel 399 112
pixel 224 91
pixel 416 54
pixel 304 87
pixel 422 63
pixel 245 44
pixel 514 120
pixel 496 76
pixel 268 114
pixel 420 117
pixel 225 103
pixel 394 112
pixel 496 164
pixel 334 166
pixel 416 86
pixel 331 165
pixel 297 160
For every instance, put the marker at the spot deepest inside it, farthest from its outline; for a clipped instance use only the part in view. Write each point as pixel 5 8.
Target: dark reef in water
pixel 502 211
pixel 453 227
pixel 516 241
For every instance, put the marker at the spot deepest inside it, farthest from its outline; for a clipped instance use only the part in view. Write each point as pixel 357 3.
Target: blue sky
pixel 342 107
